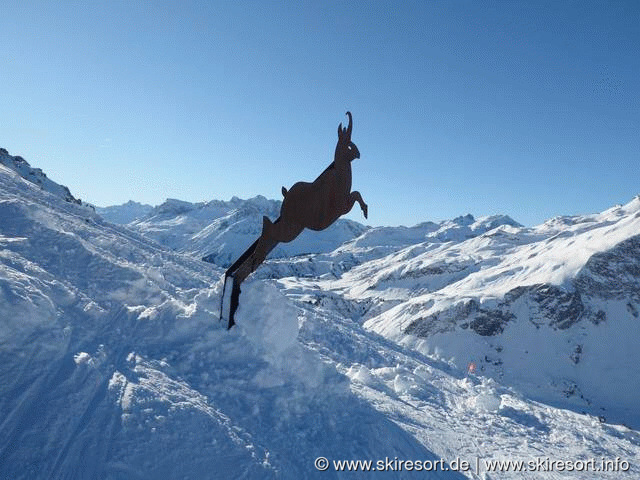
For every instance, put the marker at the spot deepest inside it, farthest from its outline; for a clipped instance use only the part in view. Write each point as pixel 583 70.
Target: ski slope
pixel 113 364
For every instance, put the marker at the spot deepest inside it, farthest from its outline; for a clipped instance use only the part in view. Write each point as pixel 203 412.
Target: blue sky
pixel 525 108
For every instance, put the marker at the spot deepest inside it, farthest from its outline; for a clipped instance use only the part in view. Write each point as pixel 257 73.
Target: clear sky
pixel 530 109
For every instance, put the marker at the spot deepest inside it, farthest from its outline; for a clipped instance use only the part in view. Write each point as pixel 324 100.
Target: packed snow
pixel 414 344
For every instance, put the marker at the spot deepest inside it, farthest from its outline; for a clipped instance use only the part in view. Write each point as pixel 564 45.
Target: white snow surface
pixel 113 363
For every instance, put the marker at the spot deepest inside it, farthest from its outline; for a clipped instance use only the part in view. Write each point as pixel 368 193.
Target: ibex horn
pixel 350 125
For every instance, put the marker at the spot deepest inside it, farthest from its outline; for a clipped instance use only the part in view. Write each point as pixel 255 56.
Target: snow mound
pixel 269 322
pixel 274 329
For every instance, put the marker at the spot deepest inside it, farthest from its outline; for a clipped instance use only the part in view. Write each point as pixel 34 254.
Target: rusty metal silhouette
pixel 313 205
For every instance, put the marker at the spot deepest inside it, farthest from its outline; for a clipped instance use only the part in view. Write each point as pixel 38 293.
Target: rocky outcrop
pixel 614 274
pixel 36 176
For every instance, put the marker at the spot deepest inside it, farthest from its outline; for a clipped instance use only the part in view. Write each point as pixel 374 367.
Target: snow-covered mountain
pixel 552 310
pixel 221 231
pixel 125 213
pixel 113 363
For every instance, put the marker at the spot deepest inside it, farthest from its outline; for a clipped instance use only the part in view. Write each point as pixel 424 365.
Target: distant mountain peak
pixel 125 213
pixel 464 219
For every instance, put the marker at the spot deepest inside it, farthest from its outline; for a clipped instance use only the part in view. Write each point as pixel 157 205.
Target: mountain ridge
pixel 36 176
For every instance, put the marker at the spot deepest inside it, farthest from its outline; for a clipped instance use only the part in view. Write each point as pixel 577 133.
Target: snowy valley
pixel 468 340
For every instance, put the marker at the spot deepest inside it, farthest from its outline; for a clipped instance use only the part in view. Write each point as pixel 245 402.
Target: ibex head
pixel 346 149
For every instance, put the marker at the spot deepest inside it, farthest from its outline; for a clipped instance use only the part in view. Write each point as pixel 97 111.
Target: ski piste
pixel 244 266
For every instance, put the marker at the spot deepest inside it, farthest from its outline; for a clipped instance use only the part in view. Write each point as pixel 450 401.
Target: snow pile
pixel 485 398
pixel 270 324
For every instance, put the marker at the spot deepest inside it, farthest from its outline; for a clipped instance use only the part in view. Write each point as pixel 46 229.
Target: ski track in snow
pixel 114 366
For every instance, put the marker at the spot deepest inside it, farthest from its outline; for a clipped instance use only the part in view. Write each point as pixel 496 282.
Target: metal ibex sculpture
pixel 313 205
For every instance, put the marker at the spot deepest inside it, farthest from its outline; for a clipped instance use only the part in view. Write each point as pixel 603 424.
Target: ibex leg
pixel 248 262
pixel 356 197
